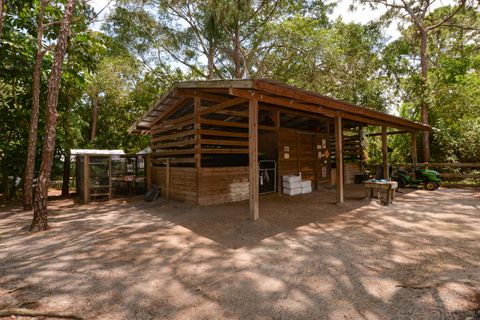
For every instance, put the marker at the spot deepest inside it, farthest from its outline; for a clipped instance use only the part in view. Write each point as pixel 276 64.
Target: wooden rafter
pixel 223 105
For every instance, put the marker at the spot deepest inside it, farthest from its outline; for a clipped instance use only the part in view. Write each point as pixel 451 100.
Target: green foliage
pixel 146 45
pixel 453 86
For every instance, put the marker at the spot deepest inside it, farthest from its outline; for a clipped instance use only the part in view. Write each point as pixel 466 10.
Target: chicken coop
pixel 104 174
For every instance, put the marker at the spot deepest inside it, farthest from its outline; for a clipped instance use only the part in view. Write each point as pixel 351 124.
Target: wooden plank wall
pixel 287 140
pixel 352 148
pixel 350 169
pixel 183 185
pixel 222 185
pixel 174 137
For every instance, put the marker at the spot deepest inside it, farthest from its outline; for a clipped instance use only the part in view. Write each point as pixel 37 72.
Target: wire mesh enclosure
pixel 104 176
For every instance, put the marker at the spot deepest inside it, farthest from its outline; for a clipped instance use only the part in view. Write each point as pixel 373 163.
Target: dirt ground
pixel 304 259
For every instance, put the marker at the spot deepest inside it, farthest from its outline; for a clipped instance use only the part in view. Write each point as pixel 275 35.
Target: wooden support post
pixel 86 179
pixel 414 149
pixel 109 177
pixel 276 121
pixel 386 173
pixel 167 180
pixel 253 158
pixel 339 158
pixel 362 156
pixel 197 126
pixel 148 171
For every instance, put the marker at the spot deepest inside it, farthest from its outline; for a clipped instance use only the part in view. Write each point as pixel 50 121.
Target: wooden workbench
pixel 386 188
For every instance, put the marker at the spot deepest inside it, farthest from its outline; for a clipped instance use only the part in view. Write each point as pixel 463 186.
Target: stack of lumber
pixel 293 185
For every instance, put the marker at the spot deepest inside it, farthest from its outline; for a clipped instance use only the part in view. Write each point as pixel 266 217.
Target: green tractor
pixel 430 179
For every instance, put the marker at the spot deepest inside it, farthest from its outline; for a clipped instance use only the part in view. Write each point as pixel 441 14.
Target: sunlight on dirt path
pixel 304 259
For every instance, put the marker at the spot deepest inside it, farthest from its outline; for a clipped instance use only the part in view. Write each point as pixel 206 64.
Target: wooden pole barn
pixel 207 138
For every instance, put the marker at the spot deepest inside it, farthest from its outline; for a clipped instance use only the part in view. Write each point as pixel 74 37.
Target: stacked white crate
pixel 293 185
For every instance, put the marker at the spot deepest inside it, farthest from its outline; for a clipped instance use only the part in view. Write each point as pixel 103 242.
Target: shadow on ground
pixel 305 258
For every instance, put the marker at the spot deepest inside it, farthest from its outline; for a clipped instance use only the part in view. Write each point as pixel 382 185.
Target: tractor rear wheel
pixel 430 186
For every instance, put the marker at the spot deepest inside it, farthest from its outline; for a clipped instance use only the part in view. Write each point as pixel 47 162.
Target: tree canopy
pixel 111 76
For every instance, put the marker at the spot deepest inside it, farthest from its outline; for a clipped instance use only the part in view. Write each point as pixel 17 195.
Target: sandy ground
pixel 304 259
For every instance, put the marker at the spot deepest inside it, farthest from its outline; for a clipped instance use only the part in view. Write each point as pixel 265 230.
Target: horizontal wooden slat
pixel 172 152
pixel 224 123
pixel 243 114
pixel 220 133
pixel 175 160
pixel 269 128
pixel 173 127
pixel 180 143
pixel 223 151
pixel 173 136
pixel 173 121
pixel 224 142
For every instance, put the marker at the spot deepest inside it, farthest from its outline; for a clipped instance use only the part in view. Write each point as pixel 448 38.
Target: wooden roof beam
pixel 192 92
pixel 302 95
pixel 288 103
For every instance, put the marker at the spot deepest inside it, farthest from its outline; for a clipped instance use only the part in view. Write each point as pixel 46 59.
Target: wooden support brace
pixel 222 105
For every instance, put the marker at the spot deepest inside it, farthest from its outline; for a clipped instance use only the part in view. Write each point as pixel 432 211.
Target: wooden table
pixel 387 188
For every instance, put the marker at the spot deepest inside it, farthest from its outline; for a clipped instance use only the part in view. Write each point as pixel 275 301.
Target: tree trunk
pixel 210 61
pixel 33 131
pixel 66 176
pixel 94 117
pixel 40 213
pixel 236 53
pixel 2 4
pixel 424 104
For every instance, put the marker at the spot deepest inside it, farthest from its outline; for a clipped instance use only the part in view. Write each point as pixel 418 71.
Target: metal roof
pixel 96 152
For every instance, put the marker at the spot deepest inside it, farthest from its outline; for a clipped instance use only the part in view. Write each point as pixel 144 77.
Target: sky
pixel 342 10
pixel 363 14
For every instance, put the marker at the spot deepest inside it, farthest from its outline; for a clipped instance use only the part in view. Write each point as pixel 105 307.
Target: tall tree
pixel 244 22
pixel 32 134
pixel 2 4
pixel 416 12
pixel 40 213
